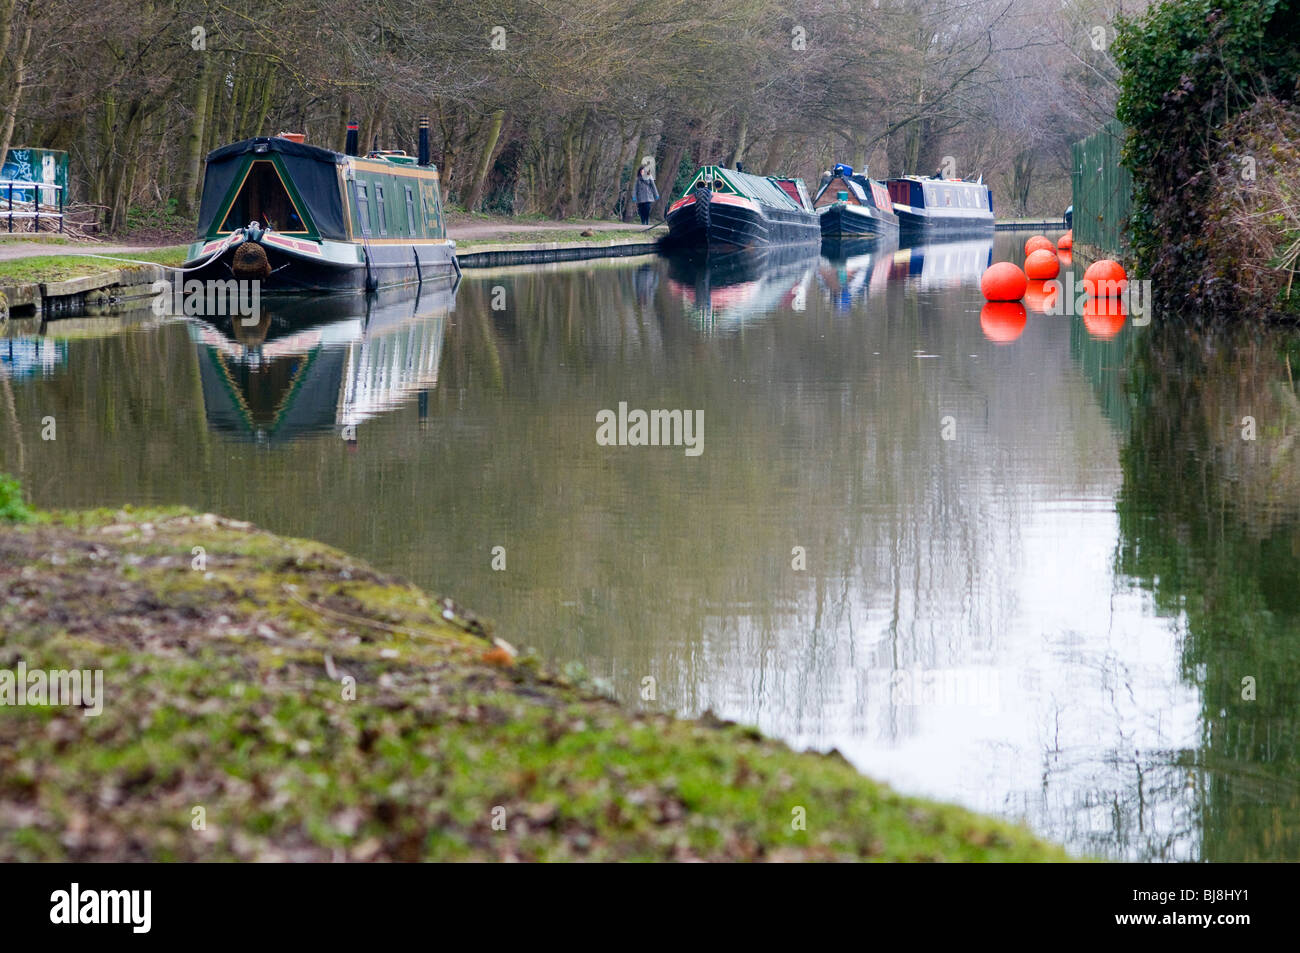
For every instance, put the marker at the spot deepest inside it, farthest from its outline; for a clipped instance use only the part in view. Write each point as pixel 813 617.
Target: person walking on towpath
pixel 645 194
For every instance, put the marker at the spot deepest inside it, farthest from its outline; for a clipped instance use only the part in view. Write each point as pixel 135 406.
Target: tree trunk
pixel 667 177
pixel 192 170
pixel 19 72
pixel 484 165
pixel 630 155
pixel 775 153
pixel 264 107
pixel 570 196
pixel 738 153
pixel 597 159
pixel 341 130
pixel 123 154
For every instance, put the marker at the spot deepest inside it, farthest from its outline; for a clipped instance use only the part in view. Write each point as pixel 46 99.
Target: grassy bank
pixel 229 697
pixel 43 268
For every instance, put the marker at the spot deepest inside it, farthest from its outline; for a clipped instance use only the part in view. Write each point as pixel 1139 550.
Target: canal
pixel 1043 566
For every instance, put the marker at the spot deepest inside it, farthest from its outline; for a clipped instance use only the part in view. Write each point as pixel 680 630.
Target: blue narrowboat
pixel 927 208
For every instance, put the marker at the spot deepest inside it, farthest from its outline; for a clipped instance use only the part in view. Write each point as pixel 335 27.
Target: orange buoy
pixel 1105 278
pixel 1041 297
pixel 1041 265
pixel 1066 257
pixel 1103 317
pixel 1003 321
pixel 1003 281
pixel 1066 241
pixel 1037 242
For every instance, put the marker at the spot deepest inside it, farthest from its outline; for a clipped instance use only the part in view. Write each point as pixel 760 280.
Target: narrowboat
pixel 725 210
pixel 854 206
pixel 300 218
pixel 935 206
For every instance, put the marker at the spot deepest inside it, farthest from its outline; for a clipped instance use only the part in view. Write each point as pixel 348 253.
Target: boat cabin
pixel 795 189
pixel 772 191
pixel 318 194
pixel 852 189
pixel 955 194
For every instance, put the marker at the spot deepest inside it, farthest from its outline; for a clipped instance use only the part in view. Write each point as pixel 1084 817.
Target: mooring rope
pixel 135 261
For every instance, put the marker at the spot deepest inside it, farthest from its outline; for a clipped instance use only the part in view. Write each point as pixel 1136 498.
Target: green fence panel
pixel 1102 188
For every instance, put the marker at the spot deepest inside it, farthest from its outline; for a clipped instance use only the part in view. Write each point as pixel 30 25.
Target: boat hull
pixel 948 223
pixel 841 221
pixel 306 267
pixel 729 225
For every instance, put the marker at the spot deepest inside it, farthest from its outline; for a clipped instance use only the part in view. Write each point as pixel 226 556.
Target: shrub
pixel 1188 69
pixel 12 507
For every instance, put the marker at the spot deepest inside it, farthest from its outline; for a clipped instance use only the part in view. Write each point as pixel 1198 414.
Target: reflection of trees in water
pixel 834 473
pixel 820 432
pixel 1210 523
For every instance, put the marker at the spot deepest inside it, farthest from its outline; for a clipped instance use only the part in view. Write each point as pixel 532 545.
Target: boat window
pixel 432 219
pixel 947 196
pixel 263 198
pixel 410 211
pixel 383 214
pixel 363 207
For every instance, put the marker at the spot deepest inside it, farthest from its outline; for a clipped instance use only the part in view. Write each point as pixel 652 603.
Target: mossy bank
pixel 274 699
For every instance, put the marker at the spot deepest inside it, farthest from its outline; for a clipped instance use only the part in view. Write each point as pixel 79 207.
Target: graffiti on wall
pixel 45 166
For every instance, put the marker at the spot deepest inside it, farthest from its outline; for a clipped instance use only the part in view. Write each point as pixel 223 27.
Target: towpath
pixel 467 229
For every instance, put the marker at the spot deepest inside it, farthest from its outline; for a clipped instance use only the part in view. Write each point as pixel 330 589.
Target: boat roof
pixel 926 178
pixel 757 187
pixel 854 181
pixel 266 144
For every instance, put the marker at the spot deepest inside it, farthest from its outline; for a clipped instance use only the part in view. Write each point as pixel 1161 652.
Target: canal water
pixel 1032 563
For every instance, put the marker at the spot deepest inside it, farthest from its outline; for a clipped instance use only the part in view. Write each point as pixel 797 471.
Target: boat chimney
pixel 351 147
pixel 424 140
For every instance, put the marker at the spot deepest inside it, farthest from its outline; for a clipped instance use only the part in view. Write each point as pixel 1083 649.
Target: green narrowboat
pixel 299 218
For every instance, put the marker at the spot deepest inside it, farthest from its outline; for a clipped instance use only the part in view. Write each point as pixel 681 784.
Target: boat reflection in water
pixel 944 264
pixel 723 291
pixel 31 356
pixel 852 269
pixel 312 365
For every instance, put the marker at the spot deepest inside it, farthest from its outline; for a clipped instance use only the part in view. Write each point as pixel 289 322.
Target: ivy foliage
pixel 1188 67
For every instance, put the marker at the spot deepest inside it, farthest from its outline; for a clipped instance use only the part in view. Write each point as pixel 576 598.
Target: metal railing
pixel 8 188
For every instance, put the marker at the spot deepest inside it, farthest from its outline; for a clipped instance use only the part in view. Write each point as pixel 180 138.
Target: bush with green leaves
pixel 1188 68
pixel 12 507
